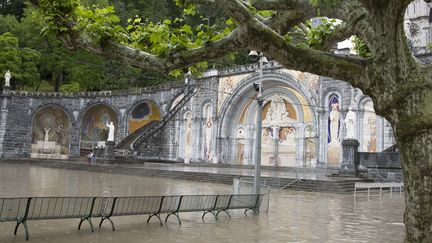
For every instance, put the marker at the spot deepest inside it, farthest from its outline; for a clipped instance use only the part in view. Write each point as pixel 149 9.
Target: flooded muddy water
pixel 293 216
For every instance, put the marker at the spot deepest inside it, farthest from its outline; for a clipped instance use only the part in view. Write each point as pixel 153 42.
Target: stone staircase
pixel 134 140
pixel 333 185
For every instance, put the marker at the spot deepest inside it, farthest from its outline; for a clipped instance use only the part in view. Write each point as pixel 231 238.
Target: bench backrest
pixel 133 205
pixel 192 203
pixel 60 207
pixel 12 208
pixel 244 201
pixel 35 208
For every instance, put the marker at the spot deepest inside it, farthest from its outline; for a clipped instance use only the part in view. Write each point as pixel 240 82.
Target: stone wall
pixel 19 108
pixel 231 111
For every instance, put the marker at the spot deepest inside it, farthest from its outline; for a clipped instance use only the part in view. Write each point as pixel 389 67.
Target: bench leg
pixel 112 223
pixel 204 214
pixel 226 211
pixel 255 211
pixel 157 215
pixel 175 214
pixel 24 223
pixel 88 220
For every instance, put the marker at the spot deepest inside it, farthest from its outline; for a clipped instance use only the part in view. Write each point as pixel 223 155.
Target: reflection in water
pixel 293 216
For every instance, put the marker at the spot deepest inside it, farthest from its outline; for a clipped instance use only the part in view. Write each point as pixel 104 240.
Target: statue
pixel 350 123
pixel 47 130
pixel 111 129
pixel 277 112
pixel 334 123
pixel 7 78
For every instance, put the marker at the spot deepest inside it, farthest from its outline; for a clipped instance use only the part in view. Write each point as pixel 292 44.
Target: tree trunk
pixel 59 81
pixel 417 156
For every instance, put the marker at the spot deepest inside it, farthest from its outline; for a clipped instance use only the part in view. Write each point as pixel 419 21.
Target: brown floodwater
pixel 293 216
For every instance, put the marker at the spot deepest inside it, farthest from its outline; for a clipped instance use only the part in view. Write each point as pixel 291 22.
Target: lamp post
pixel 259 98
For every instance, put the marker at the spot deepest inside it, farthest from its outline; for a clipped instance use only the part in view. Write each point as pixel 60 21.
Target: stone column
pixel 3 118
pixel 350 159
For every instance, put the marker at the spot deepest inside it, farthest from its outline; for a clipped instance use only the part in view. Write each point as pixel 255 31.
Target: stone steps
pixel 335 185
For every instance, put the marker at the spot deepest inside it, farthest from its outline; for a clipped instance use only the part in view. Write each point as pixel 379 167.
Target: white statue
pixel 7 78
pixel 47 130
pixel 277 112
pixel 111 129
pixel 350 123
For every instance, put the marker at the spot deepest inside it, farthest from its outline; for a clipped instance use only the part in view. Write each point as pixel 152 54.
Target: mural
pixel 188 135
pixel 226 85
pixel 278 110
pixel 369 128
pixel 267 146
pixel 208 132
pixel 51 129
pixel 287 146
pixel 278 115
pixel 334 141
pixel 143 114
pixel 94 123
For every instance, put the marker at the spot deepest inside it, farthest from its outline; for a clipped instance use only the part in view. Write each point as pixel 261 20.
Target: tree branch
pixel 174 59
pixel 263 38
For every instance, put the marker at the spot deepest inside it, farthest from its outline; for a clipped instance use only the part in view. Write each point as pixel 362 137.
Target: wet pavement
pixel 293 216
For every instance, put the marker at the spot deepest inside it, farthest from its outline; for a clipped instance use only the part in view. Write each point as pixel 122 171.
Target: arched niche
pixel 334 130
pixel 50 133
pixel 142 114
pixel 208 131
pixel 94 131
pixel 369 124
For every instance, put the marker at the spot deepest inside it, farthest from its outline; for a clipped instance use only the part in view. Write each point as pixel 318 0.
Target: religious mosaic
pixel 143 114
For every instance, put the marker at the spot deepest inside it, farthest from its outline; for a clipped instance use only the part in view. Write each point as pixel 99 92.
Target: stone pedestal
pixel 350 158
pixel 6 89
pixel 109 151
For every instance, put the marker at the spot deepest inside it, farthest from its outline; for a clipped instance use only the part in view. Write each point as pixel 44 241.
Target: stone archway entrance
pixel 94 131
pixel 50 133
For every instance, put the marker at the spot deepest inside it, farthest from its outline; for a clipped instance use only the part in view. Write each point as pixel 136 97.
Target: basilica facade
pixel 303 119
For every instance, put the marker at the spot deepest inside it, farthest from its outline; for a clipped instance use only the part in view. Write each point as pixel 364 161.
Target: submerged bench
pixel 85 208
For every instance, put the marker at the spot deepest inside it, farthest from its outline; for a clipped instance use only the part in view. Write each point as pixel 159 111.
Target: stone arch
pixel 92 119
pixel 233 109
pixel 141 113
pixel 51 131
pixel 368 126
pixel 244 91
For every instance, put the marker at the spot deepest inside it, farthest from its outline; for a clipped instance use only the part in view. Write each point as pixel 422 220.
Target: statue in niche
pixel 110 131
pixel 47 130
pixel 334 123
pixel 277 112
pixel 188 136
pixel 350 123
pixel 7 78
pixel 60 134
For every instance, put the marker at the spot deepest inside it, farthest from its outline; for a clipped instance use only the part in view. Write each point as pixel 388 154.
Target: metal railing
pixel 363 186
pixel 160 124
pixel 85 208
pixel 133 140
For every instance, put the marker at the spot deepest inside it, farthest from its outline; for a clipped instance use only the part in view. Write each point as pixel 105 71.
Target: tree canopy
pixel 399 85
